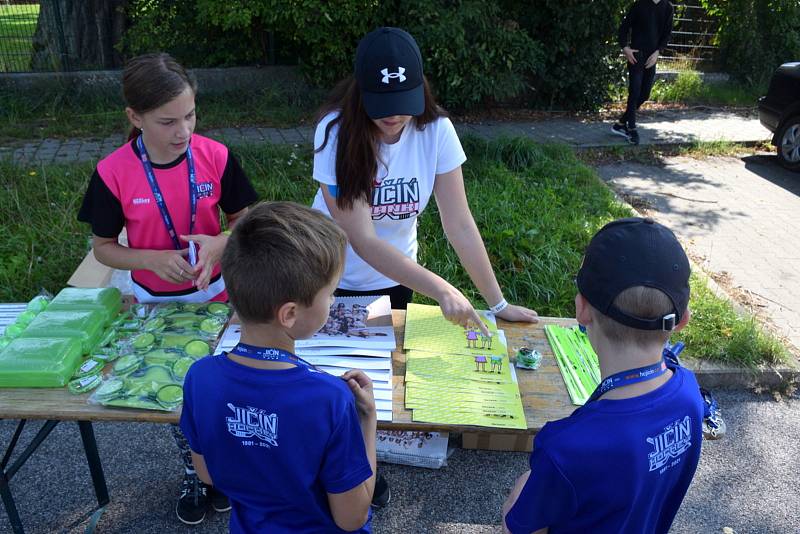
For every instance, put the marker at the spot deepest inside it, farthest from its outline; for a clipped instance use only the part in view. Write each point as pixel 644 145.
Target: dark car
pixel 779 112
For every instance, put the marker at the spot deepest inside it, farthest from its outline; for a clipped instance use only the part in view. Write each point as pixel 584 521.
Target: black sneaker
pixel 382 494
pixel 620 129
pixel 633 136
pixel 219 501
pixel 193 502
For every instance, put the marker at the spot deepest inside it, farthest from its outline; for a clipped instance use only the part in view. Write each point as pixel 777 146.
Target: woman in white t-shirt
pixel 383 148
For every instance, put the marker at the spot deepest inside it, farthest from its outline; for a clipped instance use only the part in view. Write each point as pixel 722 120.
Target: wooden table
pixel 544 395
pixel 544 398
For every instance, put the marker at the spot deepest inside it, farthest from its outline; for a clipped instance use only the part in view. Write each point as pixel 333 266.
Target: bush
pixel 756 36
pixel 179 27
pixel 558 54
pixel 581 53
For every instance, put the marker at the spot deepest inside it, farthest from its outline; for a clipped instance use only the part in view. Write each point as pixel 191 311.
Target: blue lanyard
pixel 628 377
pixel 269 354
pixel 151 179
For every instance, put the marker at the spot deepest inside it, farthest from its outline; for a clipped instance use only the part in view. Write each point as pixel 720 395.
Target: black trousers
pixel 399 295
pixel 640 83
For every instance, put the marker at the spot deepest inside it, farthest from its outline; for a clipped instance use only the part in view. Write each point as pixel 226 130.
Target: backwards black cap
pixel 389 74
pixel 635 252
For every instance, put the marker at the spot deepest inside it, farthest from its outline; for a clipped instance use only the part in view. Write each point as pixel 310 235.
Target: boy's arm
pixel 201 469
pixel 512 499
pixel 350 509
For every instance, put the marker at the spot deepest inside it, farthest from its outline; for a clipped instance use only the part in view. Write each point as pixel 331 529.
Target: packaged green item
pixel 218 308
pixel 127 364
pixel 181 366
pixel 197 347
pixel 176 340
pixel 110 389
pixel 37 304
pixel 212 325
pixel 39 363
pixel 170 396
pixel 84 384
pixel 4 341
pixel 85 325
pixel 108 300
pixel 13 331
pixel 143 342
pixel 25 318
pixel 162 356
pixel 154 324
pixel 153 387
pixel 89 367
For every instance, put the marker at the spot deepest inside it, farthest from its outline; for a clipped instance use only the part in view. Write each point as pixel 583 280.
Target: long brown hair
pixel 357 139
pixel 151 80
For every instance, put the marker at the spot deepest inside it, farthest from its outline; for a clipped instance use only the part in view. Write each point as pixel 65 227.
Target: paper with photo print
pixel 360 322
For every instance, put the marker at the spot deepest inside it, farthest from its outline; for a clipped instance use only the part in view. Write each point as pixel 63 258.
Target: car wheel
pixel 789 143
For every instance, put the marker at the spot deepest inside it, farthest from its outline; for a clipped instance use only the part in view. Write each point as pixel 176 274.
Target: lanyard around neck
pixel 162 207
pixel 625 378
pixel 269 354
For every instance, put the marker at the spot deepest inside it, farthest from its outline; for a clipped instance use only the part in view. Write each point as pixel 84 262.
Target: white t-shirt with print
pixel 406 175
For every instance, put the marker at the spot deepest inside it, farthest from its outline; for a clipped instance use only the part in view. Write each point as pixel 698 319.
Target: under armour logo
pixel 399 74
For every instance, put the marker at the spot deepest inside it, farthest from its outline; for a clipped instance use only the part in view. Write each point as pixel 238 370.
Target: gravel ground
pixel 746 482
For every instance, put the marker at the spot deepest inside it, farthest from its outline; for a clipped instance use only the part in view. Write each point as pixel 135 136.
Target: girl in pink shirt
pixel 167 186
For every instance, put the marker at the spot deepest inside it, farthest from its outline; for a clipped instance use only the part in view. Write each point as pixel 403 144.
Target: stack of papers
pixel 357 335
pixel 458 376
pixel 577 361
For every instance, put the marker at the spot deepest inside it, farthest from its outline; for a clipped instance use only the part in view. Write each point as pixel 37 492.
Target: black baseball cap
pixel 635 252
pixel 389 74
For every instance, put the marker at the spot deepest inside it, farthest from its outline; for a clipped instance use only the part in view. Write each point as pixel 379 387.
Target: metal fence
pixel 18 21
pixel 692 42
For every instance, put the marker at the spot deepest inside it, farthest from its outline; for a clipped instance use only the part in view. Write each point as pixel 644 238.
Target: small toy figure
pixel 497 362
pixel 472 338
pixel 480 363
pixel 528 358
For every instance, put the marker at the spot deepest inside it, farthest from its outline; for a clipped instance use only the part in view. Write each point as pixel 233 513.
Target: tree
pixel 78 35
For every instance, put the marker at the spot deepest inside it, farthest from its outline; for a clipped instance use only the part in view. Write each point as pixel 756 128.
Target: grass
pixel 17 24
pixel 63 113
pixel 656 154
pixel 536 205
pixel 690 89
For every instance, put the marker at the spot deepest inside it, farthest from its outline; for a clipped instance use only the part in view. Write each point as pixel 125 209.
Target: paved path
pixel 738 215
pixel 661 127
pixel 747 482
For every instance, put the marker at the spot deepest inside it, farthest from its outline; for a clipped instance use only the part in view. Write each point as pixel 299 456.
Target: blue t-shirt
pixel 275 442
pixel 616 466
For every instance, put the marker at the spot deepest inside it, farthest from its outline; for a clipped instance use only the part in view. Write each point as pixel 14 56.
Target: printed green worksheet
pixel 428 330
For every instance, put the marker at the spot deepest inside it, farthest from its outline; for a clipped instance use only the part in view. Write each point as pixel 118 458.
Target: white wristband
pixel 500 306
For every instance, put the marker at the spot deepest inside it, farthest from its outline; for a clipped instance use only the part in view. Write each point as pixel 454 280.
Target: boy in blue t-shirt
pixel 622 462
pixel 292 447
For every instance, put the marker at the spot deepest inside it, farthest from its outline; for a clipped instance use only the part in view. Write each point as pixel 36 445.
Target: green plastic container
pixel 83 325
pixel 39 363
pixel 106 299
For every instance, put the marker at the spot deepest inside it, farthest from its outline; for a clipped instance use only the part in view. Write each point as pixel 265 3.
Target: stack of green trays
pixel 107 300
pixel 39 363
pixel 84 325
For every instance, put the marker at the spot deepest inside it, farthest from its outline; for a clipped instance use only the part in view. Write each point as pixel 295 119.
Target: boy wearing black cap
pixel 624 461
